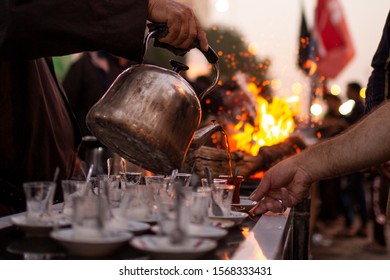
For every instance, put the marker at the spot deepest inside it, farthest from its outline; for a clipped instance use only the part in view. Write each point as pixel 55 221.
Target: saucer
pixel 244 206
pixel 151 219
pixel 206 232
pixel 121 224
pixel 200 231
pixel 41 228
pixel 160 247
pixel 137 227
pixel 235 216
pixel 221 223
pixel 91 247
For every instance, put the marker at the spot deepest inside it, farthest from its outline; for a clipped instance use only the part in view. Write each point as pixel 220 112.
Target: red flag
pixel 334 45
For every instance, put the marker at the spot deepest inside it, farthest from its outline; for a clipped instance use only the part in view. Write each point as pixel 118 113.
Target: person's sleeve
pixel 378 84
pixel 39 28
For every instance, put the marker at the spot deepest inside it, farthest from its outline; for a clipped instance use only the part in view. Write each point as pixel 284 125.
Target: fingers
pixel 182 23
pixel 204 45
pixel 261 190
pixel 268 204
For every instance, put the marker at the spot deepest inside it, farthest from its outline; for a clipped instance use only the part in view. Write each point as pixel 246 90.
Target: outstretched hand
pixel 182 24
pixel 284 185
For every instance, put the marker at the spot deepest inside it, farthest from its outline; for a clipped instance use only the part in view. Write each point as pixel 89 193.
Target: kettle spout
pixel 202 135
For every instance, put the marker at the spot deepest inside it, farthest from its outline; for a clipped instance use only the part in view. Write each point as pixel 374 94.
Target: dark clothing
pixel 353 194
pixel 357 113
pixel 40 28
pixel 36 128
pixel 378 91
pixel 38 131
pixel 85 83
pixel 378 83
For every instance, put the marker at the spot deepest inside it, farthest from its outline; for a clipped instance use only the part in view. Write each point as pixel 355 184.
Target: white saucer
pixel 221 223
pixel 91 247
pixel 244 206
pixel 200 231
pixel 152 219
pixel 42 228
pixel 137 227
pixel 235 216
pixel 161 248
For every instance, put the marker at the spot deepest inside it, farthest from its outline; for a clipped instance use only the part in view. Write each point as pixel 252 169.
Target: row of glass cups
pixel 105 203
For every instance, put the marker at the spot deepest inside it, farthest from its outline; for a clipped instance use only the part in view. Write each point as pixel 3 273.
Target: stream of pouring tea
pixel 227 147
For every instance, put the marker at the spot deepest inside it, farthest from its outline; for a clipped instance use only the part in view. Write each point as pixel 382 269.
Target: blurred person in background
pixel 88 78
pixel 38 129
pixel 353 194
pixel 330 205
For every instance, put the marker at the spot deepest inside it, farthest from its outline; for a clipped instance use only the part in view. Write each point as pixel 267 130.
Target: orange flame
pixel 273 124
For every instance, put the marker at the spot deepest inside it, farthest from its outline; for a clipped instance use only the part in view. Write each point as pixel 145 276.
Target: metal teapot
pixel 150 114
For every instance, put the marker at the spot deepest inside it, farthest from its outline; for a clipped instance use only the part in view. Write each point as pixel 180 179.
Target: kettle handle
pixel 159 30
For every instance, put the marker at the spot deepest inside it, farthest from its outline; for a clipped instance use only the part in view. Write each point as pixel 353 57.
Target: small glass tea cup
pixel 199 207
pixel 70 189
pixel 39 199
pixel 137 203
pixel 131 178
pixel 90 216
pixel 236 181
pixel 112 187
pixel 223 195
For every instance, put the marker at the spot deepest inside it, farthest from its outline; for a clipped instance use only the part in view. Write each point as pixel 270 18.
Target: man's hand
pixel 284 185
pixel 182 24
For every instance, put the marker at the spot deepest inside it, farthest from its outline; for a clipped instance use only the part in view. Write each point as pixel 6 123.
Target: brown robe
pixel 38 131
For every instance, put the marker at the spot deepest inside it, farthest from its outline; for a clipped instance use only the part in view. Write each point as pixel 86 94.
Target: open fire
pixel 272 124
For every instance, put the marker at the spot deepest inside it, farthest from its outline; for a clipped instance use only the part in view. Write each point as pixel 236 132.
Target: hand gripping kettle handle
pixel 157 31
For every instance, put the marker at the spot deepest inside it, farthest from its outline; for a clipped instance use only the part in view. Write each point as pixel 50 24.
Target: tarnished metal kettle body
pixel 150 115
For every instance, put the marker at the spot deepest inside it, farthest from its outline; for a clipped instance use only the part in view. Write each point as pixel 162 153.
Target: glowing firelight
pixel 347 107
pixel 316 109
pixel 363 93
pixel 252 48
pixel 273 124
pixel 335 90
pixel 222 6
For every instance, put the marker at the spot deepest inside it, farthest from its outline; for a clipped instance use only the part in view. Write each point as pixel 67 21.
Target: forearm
pixel 363 145
pixel 38 28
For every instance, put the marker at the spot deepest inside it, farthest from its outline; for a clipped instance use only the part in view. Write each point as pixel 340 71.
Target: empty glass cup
pixel 137 203
pixel 39 199
pixel 131 178
pixel 90 216
pixel 71 189
pixel 223 195
pixel 112 187
pixel 199 207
